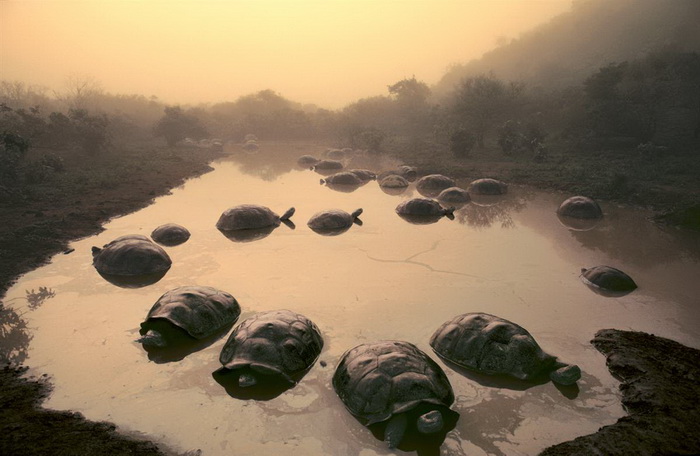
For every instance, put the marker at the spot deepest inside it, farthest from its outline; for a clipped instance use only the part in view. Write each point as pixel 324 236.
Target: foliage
pixel 90 131
pixel 176 125
pixel 370 139
pixel 12 149
pixel 514 137
pixel 462 142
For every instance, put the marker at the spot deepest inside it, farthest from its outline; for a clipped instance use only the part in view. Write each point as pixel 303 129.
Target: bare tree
pixel 81 92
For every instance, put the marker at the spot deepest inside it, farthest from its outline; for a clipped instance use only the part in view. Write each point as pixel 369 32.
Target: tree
pixel 483 101
pixel 462 142
pixel 175 126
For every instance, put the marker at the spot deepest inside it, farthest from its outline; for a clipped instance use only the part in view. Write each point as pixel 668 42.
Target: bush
pixel 462 142
pixel 12 149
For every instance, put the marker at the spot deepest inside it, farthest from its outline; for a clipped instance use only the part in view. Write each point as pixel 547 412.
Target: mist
pixel 327 53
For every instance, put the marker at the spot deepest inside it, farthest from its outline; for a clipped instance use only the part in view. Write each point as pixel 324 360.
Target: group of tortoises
pixel 390 386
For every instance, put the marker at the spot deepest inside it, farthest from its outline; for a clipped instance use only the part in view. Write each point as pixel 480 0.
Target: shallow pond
pixel 386 279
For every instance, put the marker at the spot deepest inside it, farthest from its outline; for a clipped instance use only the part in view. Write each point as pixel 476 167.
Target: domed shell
pixel 199 311
pixel 307 160
pixel 433 184
pixel 410 173
pixel 170 234
pixel 342 178
pixel 364 175
pixel 249 217
pixel 421 206
pixel 580 207
pixel 131 255
pixel 491 345
pixel 488 187
pixel 278 343
pixel 328 165
pixel 378 380
pixel 454 195
pixel 393 181
pixel 608 278
pixel 334 219
pixel 335 154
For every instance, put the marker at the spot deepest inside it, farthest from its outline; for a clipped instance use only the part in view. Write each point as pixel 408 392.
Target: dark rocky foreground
pixel 660 390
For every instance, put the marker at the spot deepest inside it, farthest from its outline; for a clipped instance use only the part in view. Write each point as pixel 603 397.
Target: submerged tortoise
pixel 250 217
pixel 307 160
pixel 131 255
pixel 433 184
pixel 580 207
pixel 343 178
pixel 454 195
pixel 198 311
pixel 326 165
pixel 275 346
pixel 393 181
pixel 418 209
pixel 333 221
pixel 170 234
pixel 364 175
pixel 607 280
pixel 493 345
pixel 488 187
pixel 395 383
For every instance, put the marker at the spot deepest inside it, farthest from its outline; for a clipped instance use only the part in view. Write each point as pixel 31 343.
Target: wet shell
pixel 328 164
pixel 434 183
pixel 343 178
pixel 488 187
pixel 170 234
pixel 279 343
pixel 421 206
pixel 199 311
pixel 393 181
pixel 580 207
pixel 131 255
pixel 307 160
pixel 332 220
pixel 378 380
pixel 608 278
pixel 364 175
pixel 491 345
pixel 248 217
pixel 454 195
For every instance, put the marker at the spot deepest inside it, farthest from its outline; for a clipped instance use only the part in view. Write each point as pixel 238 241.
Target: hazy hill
pixel 594 33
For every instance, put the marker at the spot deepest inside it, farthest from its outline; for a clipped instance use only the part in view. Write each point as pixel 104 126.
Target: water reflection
pixel 37 298
pixel 343 188
pixel 266 388
pixel 424 219
pixel 578 224
pixel 180 344
pixel 498 210
pixel 134 281
pixel 15 335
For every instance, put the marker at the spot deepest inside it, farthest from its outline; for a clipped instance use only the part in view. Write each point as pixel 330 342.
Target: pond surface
pixel 386 279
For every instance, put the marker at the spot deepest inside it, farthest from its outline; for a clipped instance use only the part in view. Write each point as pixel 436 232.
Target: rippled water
pixel 386 279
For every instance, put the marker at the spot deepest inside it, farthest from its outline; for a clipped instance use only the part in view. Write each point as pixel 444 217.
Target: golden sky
pixel 329 52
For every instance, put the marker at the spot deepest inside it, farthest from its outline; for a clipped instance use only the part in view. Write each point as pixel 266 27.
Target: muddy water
pixel 386 279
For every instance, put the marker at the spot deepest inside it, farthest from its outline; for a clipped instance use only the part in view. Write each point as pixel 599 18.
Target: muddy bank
pixel 660 388
pixel 34 226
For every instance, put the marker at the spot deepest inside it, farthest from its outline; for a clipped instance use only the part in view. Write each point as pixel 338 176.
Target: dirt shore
pixel 660 378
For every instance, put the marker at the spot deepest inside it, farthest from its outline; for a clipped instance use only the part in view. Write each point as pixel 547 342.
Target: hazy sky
pixel 328 52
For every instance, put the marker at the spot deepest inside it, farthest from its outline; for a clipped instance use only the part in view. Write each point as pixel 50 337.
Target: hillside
pixel 593 34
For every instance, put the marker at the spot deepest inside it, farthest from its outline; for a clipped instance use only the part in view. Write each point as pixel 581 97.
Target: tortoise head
pixel 430 422
pixel 95 251
pixel 449 212
pixel 152 338
pixel 565 374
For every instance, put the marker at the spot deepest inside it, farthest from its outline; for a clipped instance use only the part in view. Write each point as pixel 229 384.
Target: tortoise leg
pixel 395 429
pixel 430 423
pixel 153 339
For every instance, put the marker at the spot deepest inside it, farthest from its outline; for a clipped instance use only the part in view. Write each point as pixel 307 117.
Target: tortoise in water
pixel 343 178
pixel 454 195
pixel 198 311
pixel 364 175
pixel 488 187
pixel 407 172
pixel 327 165
pixel 432 184
pixel 423 211
pixel 250 217
pixel 393 181
pixel 250 146
pixel 334 154
pixel 272 346
pixel 170 234
pixel 580 207
pixel 396 385
pixel 333 222
pixel 307 160
pixel 131 255
pixel 608 281
pixel 493 345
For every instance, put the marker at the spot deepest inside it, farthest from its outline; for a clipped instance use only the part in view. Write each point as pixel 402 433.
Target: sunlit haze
pixel 329 52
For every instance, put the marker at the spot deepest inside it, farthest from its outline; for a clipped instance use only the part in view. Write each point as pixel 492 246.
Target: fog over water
pixel 208 51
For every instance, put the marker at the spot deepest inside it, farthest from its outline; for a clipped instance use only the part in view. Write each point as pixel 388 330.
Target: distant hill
pixel 594 33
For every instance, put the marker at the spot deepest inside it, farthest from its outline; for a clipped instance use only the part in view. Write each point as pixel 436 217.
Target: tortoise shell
pixel 131 255
pixel 328 164
pixel 279 343
pixel 170 234
pixel 433 184
pixel 378 380
pixel 421 206
pixel 307 160
pixel 491 345
pixel 454 195
pixel 580 207
pixel 331 220
pixel 393 181
pixel 343 178
pixel 364 175
pixel 199 311
pixel 608 278
pixel 249 217
pixel 488 187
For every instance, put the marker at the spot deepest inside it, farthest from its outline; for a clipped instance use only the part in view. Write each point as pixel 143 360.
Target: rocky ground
pixel 660 378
